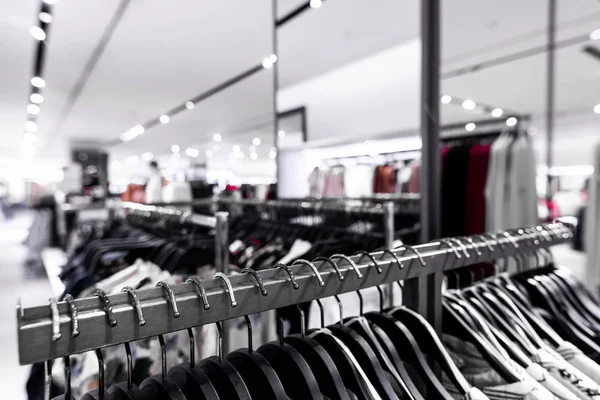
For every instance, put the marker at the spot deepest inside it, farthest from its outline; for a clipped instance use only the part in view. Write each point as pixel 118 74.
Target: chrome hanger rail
pixel 196 219
pixel 47 332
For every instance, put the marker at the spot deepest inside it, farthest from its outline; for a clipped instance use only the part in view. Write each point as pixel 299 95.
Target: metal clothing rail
pixel 115 319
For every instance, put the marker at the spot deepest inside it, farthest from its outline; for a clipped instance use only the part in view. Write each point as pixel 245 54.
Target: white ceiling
pixel 162 55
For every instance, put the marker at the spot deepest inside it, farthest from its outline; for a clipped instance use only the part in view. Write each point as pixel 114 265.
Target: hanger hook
pixel 163 357
pixel 365 254
pixel 349 261
pixel 259 280
pixel 249 325
pixel 394 256
pixel 55 319
pixel 129 367
pixel 137 304
pixel 108 309
pixel 462 246
pixel 330 262
pixel 101 381
pixel 74 315
pixel 219 326
pixel 48 379
pixel 290 274
pixel 302 320
pixel 415 251
pixel 380 298
pixel 470 240
pixel 198 284
pixel 67 366
pixel 312 267
pixel 341 308
pixel 322 312
pixel 171 297
pixel 228 287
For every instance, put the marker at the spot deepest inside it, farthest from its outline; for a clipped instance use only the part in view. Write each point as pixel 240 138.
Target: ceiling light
pixel 446 99
pixel 190 152
pixel 30 136
pixel 31 126
pixel 129 135
pixel 164 119
pixel 33 109
pixel 269 61
pixel 217 137
pixel 37 33
pixel 131 160
pixel 316 3
pixel 209 153
pixel 470 127
pixel 273 153
pixel 497 112
pixel 595 35
pixel 273 58
pixel 36 98
pixel 512 121
pixel 256 141
pixel 253 156
pixel 189 105
pixel 597 108
pixel 38 82
pixel 469 105
pixel 45 17
pixel 147 156
pixel 281 133
pixel 236 148
pixel 138 129
pixel 175 149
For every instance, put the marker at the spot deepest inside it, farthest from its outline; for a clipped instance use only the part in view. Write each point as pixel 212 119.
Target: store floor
pixel 17 281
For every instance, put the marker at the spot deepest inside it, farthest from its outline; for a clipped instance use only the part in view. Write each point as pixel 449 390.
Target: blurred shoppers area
pixel 151 141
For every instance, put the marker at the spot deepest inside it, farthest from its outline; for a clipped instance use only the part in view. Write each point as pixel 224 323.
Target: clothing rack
pixel 235 296
pixel 218 223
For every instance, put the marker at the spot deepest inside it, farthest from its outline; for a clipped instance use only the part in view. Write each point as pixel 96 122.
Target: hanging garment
pixel 154 189
pixel 316 182
pixel 523 198
pixel 592 229
pixel 477 172
pixel 496 186
pixel 454 191
pixel 357 181
pixel 574 356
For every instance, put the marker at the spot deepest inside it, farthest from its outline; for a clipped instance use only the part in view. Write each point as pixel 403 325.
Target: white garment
pixel 522 196
pixel 543 377
pixel 475 394
pixel 177 192
pixel 316 183
pixel 496 184
pixel 574 356
pixel 154 189
pixel 358 181
pixel 298 249
pixel 592 228
pixel 571 378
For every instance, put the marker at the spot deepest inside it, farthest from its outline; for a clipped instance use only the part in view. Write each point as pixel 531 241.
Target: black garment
pixel 454 191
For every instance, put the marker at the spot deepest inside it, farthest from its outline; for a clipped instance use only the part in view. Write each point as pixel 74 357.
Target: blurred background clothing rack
pixel 36 323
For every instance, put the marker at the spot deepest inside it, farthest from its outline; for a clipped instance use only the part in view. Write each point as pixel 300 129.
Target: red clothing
pixel 479 158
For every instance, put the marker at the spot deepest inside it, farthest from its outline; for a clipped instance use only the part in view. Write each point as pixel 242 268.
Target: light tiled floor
pixel 16 281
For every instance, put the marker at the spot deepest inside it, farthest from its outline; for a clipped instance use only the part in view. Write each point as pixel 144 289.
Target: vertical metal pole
pixel 389 233
pixel 275 89
pixel 424 294
pixel 551 57
pixel 222 260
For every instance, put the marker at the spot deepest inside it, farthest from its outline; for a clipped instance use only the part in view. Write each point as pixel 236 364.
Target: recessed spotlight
pixel 209 153
pixel 497 112
pixel 446 99
pixel 33 109
pixel 30 136
pixel 469 105
pixel 190 152
pixel 470 127
pixel 37 33
pixel 131 160
pixel 36 98
pixel 45 17
pixel 147 156
pixel 164 119
pixel 316 3
pixel 256 141
pixel 129 135
pixel 512 121
pixel 31 126
pixel 273 58
pixel 597 108
pixel 175 149
pixel 217 137
pixel 273 153
pixel 189 105
pixel 253 156
pixel 595 35
pixel 236 148
pixel 281 133
pixel 38 82
pixel 269 61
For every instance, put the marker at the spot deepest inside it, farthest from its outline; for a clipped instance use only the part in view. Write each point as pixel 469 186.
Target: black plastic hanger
pixel 160 387
pixel 126 390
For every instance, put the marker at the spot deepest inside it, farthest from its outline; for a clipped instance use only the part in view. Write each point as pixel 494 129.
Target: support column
pixel 550 74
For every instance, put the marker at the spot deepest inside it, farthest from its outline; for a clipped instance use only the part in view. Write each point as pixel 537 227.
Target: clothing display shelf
pixel 45 332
